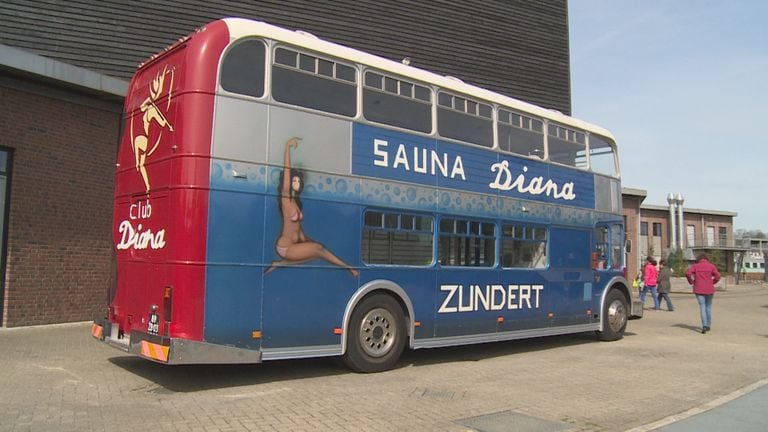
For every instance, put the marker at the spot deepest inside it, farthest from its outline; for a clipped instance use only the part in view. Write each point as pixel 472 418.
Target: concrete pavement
pixel 663 374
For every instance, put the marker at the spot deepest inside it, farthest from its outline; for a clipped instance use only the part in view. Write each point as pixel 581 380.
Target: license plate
pixel 154 324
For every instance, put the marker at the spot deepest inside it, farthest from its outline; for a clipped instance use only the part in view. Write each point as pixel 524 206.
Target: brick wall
pixel 59 226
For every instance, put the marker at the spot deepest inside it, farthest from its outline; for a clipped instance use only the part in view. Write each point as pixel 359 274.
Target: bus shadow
pixel 193 378
pixel 485 351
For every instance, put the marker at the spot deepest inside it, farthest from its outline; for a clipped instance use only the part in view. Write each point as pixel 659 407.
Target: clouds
pixel 682 84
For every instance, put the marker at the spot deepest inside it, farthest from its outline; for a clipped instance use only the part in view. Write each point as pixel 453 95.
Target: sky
pixel 683 86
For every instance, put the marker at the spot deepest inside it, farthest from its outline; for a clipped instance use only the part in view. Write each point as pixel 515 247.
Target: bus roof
pixel 240 27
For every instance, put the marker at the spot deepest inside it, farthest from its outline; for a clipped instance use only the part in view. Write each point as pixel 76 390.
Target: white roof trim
pixel 239 27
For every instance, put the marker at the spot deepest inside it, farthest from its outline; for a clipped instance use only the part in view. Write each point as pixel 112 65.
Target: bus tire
pixel 376 334
pixel 615 315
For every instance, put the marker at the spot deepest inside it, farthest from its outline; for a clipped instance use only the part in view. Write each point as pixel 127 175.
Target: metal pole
pixel 680 225
pixel 672 231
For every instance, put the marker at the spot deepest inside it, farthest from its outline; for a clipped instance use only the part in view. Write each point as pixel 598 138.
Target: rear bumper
pixel 171 350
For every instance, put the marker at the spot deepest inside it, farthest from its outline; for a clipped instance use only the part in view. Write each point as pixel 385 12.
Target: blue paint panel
pixel 522 298
pixel 393 155
pixel 569 248
pixel 235 228
pixel 233 276
pixel 304 304
pixel 232 305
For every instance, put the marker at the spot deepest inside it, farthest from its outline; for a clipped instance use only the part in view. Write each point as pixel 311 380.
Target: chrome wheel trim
pixel 617 315
pixel 378 332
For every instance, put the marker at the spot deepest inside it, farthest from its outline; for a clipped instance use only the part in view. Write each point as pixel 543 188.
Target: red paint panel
pixel 162 184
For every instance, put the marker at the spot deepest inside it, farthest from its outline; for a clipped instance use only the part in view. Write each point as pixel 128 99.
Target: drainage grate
pixel 510 421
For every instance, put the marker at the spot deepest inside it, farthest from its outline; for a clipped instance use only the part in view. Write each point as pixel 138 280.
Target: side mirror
pixel 628 245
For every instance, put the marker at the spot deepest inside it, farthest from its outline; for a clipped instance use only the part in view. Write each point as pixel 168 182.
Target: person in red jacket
pixel 703 275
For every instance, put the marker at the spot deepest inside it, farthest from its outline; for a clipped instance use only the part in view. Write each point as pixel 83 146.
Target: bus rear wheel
pixel 615 315
pixel 376 334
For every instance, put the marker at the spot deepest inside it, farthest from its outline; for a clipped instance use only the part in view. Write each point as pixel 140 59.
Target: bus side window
pixel 464 119
pixel 391 238
pixel 242 70
pixel 308 81
pixel 467 243
pixel 520 134
pixel 600 253
pixel 523 246
pixel 395 102
pixel 566 146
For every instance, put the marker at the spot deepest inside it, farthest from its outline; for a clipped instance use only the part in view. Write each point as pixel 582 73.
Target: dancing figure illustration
pixel 293 246
pixel 151 112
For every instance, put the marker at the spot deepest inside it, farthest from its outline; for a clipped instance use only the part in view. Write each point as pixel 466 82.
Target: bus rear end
pixel 161 204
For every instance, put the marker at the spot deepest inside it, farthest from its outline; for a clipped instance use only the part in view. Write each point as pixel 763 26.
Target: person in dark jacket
pixel 703 275
pixel 664 284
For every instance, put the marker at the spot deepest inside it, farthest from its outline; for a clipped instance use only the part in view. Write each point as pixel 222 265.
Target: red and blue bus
pixel 280 196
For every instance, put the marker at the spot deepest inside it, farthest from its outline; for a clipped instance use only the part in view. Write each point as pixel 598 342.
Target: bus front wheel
pixel 376 334
pixel 615 315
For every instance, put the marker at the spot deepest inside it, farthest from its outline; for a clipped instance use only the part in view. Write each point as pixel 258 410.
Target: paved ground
pixel 56 378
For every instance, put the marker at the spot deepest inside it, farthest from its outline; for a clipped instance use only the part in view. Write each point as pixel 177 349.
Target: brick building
pixel 64 68
pixel 650 230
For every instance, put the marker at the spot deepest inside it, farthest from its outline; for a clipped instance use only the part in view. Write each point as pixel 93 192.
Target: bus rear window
pixel 242 70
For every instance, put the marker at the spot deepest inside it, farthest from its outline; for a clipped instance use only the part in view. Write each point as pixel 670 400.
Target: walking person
pixel 703 275
pixel 649 277
pixel 665 284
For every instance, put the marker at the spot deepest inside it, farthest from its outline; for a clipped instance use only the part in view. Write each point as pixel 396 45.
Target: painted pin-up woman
pixel 293 247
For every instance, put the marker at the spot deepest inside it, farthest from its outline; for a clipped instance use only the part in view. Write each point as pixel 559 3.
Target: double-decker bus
pixel 280 196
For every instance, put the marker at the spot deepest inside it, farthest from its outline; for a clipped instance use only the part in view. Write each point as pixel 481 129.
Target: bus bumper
pixel 171 350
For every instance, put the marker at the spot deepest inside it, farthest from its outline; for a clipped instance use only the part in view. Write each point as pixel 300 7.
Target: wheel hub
pixel 377 332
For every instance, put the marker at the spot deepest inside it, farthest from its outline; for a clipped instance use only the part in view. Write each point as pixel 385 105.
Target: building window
pixel 644 229
pixel 5 167
pixel 656 229
pixel 690 232
pixel 722 234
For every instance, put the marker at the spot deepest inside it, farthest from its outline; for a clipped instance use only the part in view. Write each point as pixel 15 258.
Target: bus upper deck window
pixel 520 134
pixel 567 146
pixel 242 70
pixel 602 157
pixel 464 119
pixel 395 102
pixel 309 81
